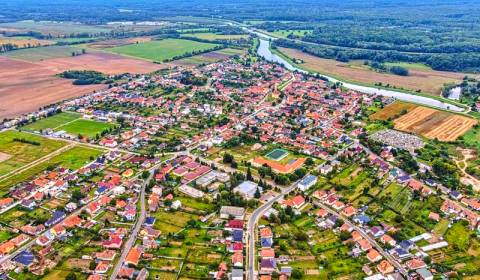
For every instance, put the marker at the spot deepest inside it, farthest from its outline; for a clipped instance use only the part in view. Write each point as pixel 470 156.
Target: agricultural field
pixel 213 36
pixel 26 86
pixel 43 53
pixel 393 111
pixel 15 154
pixel 86 128
pixel 59 29
pixel 73 158
pixel 24 42
pixel 206 58
pixel 434 124
pixel 52 122
pixel 425 80
pixel 118 42
pixel 161 50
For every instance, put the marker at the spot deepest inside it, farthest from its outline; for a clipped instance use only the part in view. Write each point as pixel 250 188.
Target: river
pixel 265 52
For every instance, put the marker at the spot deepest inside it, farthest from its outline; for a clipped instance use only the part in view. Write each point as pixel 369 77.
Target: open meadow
pixel 425 80
pixel 162 49
pixel 72 158
pixel 19 149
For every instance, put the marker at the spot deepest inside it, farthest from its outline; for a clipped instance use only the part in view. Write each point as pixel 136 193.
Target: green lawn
pixel 472 138
pixel 17 154
pixel 162 49
pixel 73 158
pixel 458 236
pixel 86 128
pixel 53 121
pixel 285 33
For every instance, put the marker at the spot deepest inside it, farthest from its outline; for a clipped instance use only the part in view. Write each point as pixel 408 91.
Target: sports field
pixel 52 122
pixel 277 154
pixel 161 50
pixel 86 128
pixel 22 153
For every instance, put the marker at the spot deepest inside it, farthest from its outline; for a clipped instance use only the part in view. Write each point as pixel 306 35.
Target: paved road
pixel 251 232
pixel 133 235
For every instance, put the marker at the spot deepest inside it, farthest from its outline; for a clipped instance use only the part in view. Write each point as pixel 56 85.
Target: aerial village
pixel 236 170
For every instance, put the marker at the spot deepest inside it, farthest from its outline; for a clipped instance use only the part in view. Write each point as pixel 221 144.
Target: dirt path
pixel 462 164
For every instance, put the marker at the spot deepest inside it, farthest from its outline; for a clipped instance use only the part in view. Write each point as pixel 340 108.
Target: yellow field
pixel 393 110
pixel 25 42
pixel 434 124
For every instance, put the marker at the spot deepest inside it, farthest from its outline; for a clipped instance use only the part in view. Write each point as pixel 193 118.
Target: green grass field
pixel 73 158
pixel 43 53
pixel 212 36
pixel 17 154
pixel 86 128
pixel 472 138
pixel 285 33
pixel 162 49
pixel 52 122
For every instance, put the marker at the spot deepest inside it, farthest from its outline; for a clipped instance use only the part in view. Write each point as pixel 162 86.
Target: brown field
pixel 107 63
pixel 393 111
pixel 25 86
pixel 428 81
pixel 4 156
pixel 433 124
pixel 118 42
pixel 23 42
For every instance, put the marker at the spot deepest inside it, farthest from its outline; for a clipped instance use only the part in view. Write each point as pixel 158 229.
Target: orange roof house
pixel 266 232
pixel 373 255
pixel 6 247
pixel 364 244
pixel 385 267
pixel 133 256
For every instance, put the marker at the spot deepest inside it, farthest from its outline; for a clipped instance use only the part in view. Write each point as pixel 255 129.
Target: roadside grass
pixel 24 153
pixel 73 159
pixel 52 122
pixel 86 128
pixel 161 50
